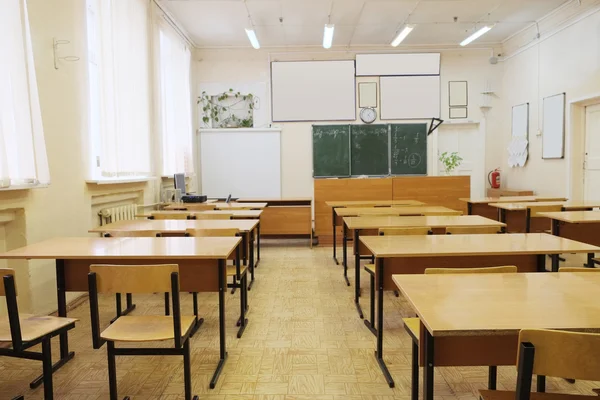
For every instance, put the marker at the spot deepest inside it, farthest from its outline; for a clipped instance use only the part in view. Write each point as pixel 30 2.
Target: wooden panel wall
pixel 434 190
pixel 345 189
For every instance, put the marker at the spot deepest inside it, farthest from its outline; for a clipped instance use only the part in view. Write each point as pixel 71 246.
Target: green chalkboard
pixel 409 149
pixel 331 150
pixel 369 150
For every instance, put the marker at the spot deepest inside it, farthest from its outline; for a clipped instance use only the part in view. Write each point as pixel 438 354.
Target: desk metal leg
pixel 379 353
pixel 428 369
pixel 251 261
pixel 492 377
pixel 541 384
pixel 541 263
pixel 555 262
pixel 222 339
pixel 257 244
pixel 61 293
pixel 357 274
pixel 345 251
pixel 470 208
pixel 334 236
pixel 590 260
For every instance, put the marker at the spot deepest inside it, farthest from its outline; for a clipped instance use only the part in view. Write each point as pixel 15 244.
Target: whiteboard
pixel 397 64
pixel 409 97
pixel 240 162
pixel 520 120
pixel 313 91
pixel 553 135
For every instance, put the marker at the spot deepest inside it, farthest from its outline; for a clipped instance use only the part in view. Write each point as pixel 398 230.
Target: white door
pixel 591 169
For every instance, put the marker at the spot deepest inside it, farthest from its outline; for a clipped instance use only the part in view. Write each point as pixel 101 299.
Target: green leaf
pixel 231 90
pixel 205 119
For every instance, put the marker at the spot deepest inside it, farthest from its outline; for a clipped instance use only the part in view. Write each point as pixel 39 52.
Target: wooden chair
pixel 140 328
pixel 169 215
pixel 472 230
pixel 413 325
pixel 573 355
pixel 238 272
pixel 535 211
pixel 25 331
pixel 202 215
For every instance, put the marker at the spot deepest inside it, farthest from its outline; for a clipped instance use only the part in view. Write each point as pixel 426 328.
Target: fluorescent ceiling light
pixel 328 35
pixel 476 35
pixel 252 37
pixel 402 35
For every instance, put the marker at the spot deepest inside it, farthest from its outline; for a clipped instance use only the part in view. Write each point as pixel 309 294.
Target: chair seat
pixel 413 327
pixel 370 268
pixel 34 327
pixel 508 395
pixel 231 271
pixel 145 328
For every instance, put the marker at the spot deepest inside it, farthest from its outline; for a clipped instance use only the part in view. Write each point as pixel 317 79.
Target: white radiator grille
pixel 119 213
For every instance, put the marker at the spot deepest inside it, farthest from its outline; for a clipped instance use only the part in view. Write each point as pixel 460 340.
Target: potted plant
pixel 227 110
pixel 451 161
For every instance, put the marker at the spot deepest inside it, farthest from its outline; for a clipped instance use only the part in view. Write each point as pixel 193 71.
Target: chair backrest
pixel 472 230
pixel 140 233
pixel 578 269
pixel 561 354
pixel 534 211
pixel 8 288
pixel 404 231
pixel 169 215
pixel 507 269
pixel 202 215
pixel 215 232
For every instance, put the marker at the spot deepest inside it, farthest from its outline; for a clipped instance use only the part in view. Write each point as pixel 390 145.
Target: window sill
pixel 118 181
pixel 23 187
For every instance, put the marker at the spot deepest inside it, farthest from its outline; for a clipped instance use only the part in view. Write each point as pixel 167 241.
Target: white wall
pixel 236 68
pixel 566 59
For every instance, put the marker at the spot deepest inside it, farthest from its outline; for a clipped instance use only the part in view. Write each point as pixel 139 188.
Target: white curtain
pixel 23 159
pixel 119 87
pixel 174 102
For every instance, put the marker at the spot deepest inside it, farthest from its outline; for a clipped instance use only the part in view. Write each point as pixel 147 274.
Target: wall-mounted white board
pixel 397 64
pixel 409 97
pixel 553 134
pixel 313 91
pixel 240 162
pixel 520 120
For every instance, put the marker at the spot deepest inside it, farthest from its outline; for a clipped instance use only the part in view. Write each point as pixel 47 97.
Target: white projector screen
pixel 313 91
pixel 241 162
pixel 410 97
pixel 397 64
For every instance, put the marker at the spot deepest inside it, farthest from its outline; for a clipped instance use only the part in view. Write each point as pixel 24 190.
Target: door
pixel 591 165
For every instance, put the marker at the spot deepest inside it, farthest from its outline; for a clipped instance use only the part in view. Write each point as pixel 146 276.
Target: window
pixel 174 102
pixel 23 160
pixel 119 88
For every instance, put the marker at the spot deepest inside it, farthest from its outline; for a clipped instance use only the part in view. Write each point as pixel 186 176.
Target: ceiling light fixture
pixel 328 35
pixel 402 35
pixel 252 37
pixel 477 35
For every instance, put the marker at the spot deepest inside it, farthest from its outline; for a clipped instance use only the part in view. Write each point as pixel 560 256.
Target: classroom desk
pixel 397 211
pixel 583 226
pixel 202 268
pixel 413 254
pixel 240 206
pixel 515 214
pixel 438 223
pixel 235 214
pixel 480 206
pixel 362 203
pixel 474 320
pixel 177 227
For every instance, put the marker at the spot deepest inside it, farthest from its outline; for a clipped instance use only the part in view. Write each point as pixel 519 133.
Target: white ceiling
pixel 221 23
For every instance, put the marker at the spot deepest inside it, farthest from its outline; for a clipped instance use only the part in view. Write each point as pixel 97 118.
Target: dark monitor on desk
pixel 179 180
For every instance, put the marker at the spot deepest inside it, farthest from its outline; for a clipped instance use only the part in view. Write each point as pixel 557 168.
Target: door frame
pixel 576 144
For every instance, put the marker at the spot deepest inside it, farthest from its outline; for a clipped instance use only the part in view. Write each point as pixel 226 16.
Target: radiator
pixel 118 213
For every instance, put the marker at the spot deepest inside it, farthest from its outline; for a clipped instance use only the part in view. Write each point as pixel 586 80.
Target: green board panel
pixel 331 150
pixel 369 150
pixel 409 149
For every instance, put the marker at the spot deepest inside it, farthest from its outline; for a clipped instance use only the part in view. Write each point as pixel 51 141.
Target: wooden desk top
pixel 176 225
pixel 432 221
pixel 236 213
pixel 510 199
pixel 466 245
pixel 233 206
pixel 574 217
pixel 374 203
pixel 128 248
pixel 396 210
pixel 485 304
pixel 566 204
pixel 269 199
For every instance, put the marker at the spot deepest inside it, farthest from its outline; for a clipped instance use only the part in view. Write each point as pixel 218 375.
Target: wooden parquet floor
pixel 304 341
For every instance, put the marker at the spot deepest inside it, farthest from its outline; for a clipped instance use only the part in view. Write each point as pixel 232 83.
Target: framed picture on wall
pixel 458 94
pixel 458 112
pixel 367 95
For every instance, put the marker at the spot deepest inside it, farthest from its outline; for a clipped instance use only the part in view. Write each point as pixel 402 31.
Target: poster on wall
pixel 518 147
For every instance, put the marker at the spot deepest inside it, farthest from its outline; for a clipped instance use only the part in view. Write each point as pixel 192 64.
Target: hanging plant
pixel 222 109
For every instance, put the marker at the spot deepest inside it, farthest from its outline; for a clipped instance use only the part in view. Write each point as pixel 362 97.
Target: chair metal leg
pixel 187 370
pixel 167 307
pixel 370 324
pixel 414 391
pixel 112 370
pixel 47 368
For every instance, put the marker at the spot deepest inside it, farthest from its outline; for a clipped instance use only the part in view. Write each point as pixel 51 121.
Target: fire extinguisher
pixel 494 178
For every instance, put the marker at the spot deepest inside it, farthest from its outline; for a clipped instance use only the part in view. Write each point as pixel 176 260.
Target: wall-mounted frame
pixel 458 94
pixel 458 113
pixel 553 134
pixel 367 94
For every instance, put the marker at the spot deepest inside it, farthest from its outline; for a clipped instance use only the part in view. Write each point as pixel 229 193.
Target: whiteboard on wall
pixel 397 64
pixel 553 135
pixel 409 97
pixel 240 162
pixel 313 91
pixel 520 120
